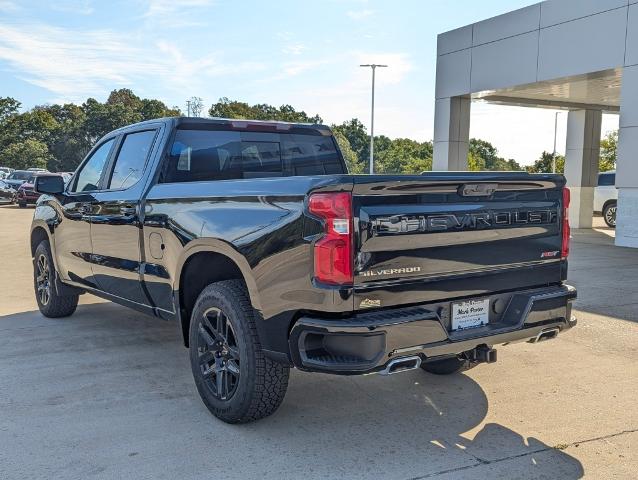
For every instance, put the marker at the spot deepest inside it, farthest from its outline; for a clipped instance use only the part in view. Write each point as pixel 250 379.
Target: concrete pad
pixel 107 393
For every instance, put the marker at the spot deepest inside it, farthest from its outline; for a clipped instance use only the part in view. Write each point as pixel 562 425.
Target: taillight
pixel 564 251
pixel 333 251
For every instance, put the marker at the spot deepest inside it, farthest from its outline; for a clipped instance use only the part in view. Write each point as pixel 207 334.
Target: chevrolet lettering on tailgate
pixel 467 221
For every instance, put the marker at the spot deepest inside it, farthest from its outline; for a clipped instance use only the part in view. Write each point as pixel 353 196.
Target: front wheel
pixel 609 214
pixel 236 382
pixel 22 204
pixel 50 303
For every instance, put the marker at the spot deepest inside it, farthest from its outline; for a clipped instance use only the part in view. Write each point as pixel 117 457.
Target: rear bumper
pixel 368 342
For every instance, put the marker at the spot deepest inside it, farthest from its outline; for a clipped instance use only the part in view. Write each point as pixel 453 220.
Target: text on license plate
pixel 470 314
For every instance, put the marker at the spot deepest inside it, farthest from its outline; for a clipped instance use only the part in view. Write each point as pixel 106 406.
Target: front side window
pixel 131 159
pixel 204 155
pixel 88 178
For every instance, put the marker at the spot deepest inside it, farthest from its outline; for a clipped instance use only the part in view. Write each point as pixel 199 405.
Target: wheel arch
pixel 205 261
pixel 609 202
pixel 38 234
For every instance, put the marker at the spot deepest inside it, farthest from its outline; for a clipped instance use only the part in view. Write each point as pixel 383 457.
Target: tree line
pixel 57 137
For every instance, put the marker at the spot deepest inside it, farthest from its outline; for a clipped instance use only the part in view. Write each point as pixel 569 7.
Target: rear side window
pixel 131 159
pixel 606 179
pixel 204 155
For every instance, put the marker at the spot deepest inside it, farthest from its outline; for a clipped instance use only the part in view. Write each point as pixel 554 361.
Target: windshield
pixel 20 175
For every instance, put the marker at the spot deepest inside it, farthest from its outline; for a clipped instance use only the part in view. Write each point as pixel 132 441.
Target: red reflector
pixel 333 251
pixel 564 253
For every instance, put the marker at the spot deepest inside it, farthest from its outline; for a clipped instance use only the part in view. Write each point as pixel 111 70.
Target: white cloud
pixel 8 6
pixel 76 64
pixel 358 15
pixel 294 49
pixel 399 65
pixel 164 8
pixel 79 7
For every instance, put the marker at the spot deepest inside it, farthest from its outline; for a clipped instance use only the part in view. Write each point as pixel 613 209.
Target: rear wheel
pixel 609 214
pixel 447 366
pixel 50 303
pixel 236 382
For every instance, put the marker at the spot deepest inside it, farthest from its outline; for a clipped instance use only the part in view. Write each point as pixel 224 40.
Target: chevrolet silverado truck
pixel 268 255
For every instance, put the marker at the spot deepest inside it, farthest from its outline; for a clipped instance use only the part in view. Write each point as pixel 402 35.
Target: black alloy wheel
pixel 219 358
pixel 50 302
pixel 43 279
pixel 237 382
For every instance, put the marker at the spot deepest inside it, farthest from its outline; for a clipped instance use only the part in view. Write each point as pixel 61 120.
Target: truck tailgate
pixel 449 235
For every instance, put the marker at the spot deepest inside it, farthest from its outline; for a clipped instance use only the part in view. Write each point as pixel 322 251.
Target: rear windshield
pixel 606 179
pixel 20 175
pixel 202 155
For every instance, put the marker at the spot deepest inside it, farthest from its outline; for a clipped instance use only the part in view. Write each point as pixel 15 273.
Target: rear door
pixel 445 235
pixel 115 228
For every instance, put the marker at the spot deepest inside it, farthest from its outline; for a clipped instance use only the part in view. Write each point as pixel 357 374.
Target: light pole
pixel 373 66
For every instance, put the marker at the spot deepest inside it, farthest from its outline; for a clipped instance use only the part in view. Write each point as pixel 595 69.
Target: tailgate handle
pixel 478 189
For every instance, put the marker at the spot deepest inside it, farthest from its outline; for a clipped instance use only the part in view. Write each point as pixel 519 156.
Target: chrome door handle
pixel 128 210
pixel 84 209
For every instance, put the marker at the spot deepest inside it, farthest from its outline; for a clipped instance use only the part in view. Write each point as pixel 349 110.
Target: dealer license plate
pixel 470 314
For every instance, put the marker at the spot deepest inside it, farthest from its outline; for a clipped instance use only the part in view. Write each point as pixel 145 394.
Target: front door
pixel 115 227
pixel 73 234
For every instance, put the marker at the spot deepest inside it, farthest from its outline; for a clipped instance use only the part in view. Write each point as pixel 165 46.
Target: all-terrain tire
pixel 49 302
pixel 447 366
pixel 261 384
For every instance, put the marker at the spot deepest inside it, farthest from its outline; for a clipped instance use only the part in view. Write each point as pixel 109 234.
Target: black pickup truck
pixel 253 237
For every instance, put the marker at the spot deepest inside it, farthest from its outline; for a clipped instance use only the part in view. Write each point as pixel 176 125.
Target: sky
pixel 306 54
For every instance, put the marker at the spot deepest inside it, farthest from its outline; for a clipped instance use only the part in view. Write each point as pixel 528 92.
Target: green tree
pixel 475 162
pixel 25 154
pixel 545 162
pixel 403 155
pixel 8 106
pixel 608 151
pixel 358 137
pixel 483 155
pixel 350 157
pixel 226 108
pixel 152 109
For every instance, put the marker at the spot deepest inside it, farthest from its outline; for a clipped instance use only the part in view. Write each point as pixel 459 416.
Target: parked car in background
pixel 5 172
pixel 18 177
pixel 7 193
pixel 26 193
pixel 606 197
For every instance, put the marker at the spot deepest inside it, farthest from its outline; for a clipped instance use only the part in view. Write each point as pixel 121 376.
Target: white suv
pixel 606 197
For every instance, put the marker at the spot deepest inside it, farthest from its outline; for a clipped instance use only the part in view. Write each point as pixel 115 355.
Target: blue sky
pixel 302 53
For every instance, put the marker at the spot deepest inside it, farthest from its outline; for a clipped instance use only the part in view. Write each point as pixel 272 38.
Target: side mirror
pixel 51 184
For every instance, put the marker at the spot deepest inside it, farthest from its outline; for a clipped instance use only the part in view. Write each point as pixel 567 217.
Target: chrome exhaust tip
pixel 546 334
pixel 402 364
